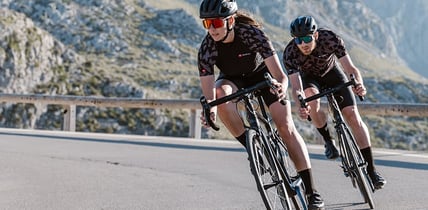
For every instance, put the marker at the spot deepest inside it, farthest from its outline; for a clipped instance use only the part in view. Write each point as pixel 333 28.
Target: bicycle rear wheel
pixel 265 171
pixel 357 166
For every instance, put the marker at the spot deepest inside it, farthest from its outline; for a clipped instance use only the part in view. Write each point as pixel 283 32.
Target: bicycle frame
pixel 267 134
pixel 353 163
pixel 255 119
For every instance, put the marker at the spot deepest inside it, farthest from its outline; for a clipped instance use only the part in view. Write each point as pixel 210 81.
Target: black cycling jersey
pixel 239 58
pixel 322 59
pixel 319 69
pixel 240 61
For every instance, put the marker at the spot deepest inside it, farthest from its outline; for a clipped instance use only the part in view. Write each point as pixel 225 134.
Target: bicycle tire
pixel 295 186
pixel 263 166
pixel 357 165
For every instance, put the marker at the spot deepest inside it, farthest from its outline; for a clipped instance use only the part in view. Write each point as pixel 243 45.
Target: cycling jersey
pixel 321 60
pixel 239 58
pixel 240 61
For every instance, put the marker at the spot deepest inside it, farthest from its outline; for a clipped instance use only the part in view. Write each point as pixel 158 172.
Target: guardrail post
pixel 69 122
pixel 194 124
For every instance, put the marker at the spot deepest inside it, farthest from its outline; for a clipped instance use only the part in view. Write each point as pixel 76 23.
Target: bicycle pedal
pixel 296 181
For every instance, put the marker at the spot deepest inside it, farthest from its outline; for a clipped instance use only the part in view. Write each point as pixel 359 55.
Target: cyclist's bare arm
pixel 351 69
pixel 297 89
pixel 278 74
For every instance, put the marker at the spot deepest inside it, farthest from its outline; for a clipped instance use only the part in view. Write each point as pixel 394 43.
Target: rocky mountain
pixel 147 48
pixel 406 23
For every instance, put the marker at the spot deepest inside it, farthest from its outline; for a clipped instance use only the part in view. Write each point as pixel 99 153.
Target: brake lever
pixel 303 105
pixel 206 111
pixel 355 85
pixel 270 82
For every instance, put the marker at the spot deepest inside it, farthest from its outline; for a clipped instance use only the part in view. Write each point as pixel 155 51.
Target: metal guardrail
pixel 70 103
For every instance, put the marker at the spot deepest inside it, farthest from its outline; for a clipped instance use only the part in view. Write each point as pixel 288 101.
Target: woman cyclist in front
pixel 310 60
pixel 243 53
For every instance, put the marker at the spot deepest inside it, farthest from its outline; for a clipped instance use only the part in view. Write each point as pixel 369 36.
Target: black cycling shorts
pixel 334 77
pixel 245 81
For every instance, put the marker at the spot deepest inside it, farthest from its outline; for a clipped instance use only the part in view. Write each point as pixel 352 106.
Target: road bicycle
pixel 276 177
pixel 352 161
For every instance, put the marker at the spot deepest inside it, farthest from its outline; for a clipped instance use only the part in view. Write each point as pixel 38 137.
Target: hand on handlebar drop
pixel 278 90
pixel 359 89
pixel 304 112
pixel 204 122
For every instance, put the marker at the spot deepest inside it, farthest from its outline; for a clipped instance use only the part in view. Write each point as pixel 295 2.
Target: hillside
pixel 147 49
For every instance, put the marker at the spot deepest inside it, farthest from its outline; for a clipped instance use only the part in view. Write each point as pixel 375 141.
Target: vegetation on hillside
pixel 147 49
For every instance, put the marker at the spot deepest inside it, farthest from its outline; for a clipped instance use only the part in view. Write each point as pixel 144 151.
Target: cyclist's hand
pixel 204 122
pixel 278 90
pixel 359 89
pixel 304 112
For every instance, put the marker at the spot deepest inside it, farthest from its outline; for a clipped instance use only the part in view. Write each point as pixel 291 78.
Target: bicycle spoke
pixel 269 182
pixel 356 167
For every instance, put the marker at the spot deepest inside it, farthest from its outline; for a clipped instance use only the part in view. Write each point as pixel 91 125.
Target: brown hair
pixel 246 18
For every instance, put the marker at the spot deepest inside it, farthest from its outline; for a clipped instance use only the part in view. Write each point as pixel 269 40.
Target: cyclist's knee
pixel 311 91
pixel 224 88
pixel 315 105
pixel 287 130
pixel 352 115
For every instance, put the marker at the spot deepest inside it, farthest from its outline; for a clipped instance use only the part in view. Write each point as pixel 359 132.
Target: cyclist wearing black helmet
pixel 242 52
pixel 310 61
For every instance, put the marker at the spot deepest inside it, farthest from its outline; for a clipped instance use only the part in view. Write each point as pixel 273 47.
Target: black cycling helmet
pixel 302 26
pixel 217 8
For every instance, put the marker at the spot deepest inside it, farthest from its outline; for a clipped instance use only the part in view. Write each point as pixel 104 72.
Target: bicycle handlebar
pixel 328 91
pixel 206 106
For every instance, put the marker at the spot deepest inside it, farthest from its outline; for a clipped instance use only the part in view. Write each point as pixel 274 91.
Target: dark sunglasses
pixel 216 23
pixel 305 39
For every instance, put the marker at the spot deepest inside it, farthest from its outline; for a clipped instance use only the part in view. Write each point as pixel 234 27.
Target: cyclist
pixel 311 61
pixel 242 52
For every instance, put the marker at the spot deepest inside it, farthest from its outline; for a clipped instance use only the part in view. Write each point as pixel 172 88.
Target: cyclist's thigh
pixel 281 115
pixel 345 96
pixel 311 87
pixel 310 83
pixel 225 86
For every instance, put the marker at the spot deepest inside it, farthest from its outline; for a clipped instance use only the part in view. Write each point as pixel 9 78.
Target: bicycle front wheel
pixel 265 171
pixel 294 183
pixel 357 165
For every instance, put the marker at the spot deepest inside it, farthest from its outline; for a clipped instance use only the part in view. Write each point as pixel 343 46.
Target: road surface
pixel 64 170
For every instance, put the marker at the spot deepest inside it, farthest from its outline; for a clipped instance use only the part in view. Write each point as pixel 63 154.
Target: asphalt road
pixel 61 170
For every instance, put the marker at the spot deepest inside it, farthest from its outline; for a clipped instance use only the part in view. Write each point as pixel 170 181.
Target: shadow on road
pixel 132 142
pixel 389 163
pixel 340 206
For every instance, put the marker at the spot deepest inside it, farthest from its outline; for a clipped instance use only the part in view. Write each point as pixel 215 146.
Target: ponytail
pixel 246 18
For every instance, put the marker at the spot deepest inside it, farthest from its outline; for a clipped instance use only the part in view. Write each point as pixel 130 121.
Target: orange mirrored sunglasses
pixel 216 23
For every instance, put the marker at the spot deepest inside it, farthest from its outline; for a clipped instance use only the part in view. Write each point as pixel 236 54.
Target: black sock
pixel 307 179
pixel 242 139
pixel 367 154
pixel 325 133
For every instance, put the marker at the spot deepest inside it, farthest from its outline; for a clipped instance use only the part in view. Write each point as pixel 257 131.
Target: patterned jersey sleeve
pixel 340 49
pixel 206 57
pixel 257 40
pixel 289 57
